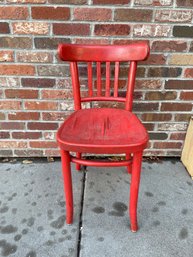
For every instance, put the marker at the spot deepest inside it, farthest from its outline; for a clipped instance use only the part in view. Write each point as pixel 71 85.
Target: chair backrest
pixel 100 54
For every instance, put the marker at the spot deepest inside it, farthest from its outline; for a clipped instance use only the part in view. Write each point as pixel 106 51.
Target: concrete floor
pixel 32 212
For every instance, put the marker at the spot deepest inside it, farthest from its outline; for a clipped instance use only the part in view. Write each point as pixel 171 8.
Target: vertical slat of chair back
pixel 89 69
pixel 116 79
pixel 107 84
pixel 99 86
pixel 108 54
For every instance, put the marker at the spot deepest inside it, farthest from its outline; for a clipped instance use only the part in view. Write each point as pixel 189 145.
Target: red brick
pixel 172 126
pixel 56 94
pixel 12 125
pixel 158 136
pixel 156 117
pixel 3 82
pixel 129 41
pixel 133 15
pixel 26 135
pixel 164 72
pixel 188 73
pixel 182 116
pixel 13 144
pixel 28 152
pixel 154 96
pixel 36 105
pixel 24 116
pixel 50 13
pixel 43 144
pixel 77 2
pixel 92 14
pixel 34 57
pixel 111 2
pixel 42 126
pixel 157 59
pixel 66 106
pixel 187 96
pixel 177 136
pixel 176 107
pixel 139 107
pixel 10 105
pixel 1 93
pixel 179 84
pixel 154 2
pixel 2 116
pixel 49 42
pixel 4 134
pixel 149 126
pixel 21 93
pixel 16 42
pixel 173 16
pixel 149 30
pixel 15 69
pixel 6 56
pixel 6 153
pixel 50 135
pixel 4 28
pixel 183 31
pixel 153 152
pixel 148 84
pixel 136 95
pixel 181 59
pixel 37 82
pixel 11 82
pixel 112 30
pixel 169 46
pixel 53 70
pixel 173 153
pixel 184 3
pixel 27 1
pixel 52 152
pixel 167 145
pixel 32 28
pixel 71 29
pixel 13 12
pixel 101 41
pixel 64 83
pixel 55 116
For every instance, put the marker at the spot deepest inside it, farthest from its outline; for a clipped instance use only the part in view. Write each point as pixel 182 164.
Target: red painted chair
pixel 103 130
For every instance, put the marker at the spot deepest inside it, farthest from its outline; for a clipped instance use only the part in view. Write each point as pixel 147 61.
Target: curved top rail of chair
pixel 109 53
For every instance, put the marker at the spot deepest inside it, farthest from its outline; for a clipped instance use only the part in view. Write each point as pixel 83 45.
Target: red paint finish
pixel 103 130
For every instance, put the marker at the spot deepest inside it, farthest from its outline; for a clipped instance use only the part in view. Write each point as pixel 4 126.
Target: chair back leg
pixel 129 167
pixel 66 170
pixel 134 189
pixel 78 166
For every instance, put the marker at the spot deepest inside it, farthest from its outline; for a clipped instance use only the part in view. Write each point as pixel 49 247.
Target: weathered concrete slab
pixel 32 211
pixel 165 213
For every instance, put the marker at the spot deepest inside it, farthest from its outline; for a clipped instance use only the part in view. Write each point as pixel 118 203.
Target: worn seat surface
pixel 92 130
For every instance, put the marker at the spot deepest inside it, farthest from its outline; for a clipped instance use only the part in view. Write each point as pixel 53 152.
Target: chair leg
pixel 78 166
pixel 134 189
pixel 129 167
pixel 66 170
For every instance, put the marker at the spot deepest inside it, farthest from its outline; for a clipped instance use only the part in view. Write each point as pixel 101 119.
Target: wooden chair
pixel 103 130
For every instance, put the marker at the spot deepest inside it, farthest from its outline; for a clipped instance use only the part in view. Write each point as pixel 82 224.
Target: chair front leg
pixel 134 189
pixel 66 170
pixel 129 167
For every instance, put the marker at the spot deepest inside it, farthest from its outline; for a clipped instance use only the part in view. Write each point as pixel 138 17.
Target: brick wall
pixel 33 83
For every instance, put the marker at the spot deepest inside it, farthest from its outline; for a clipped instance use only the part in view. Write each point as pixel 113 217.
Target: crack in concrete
pixel 81 212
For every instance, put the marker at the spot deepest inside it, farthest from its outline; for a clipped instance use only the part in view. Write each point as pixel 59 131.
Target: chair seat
pixel 104 130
